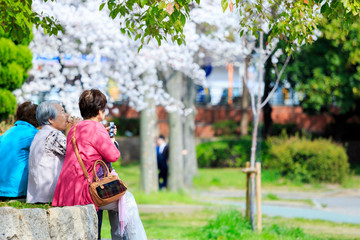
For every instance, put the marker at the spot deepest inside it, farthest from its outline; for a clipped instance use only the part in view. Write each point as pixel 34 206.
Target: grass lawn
pixel 195 225
pixel 231 178
pixel 21 205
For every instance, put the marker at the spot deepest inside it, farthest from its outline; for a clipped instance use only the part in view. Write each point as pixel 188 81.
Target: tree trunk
pixel 255 133
pixel 148 163
pixel 176 165
pixel 190 161
pixel 245 118
pixel 267 109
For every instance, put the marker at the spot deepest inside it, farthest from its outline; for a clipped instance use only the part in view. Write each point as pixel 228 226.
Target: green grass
pixel 165 198
pixel 233 178
pixel 271 196
pixel 131 176
pixel 228 224
pixel 161 225
pixel 352 181
pixel 21 205
pixel 231 224
pixel 168 225
pixel 319 228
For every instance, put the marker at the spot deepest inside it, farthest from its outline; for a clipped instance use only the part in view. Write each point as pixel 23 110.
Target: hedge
pixel 7 104
pixel 127 126
pixel 225 153
pixel 304 160
pixel 299 159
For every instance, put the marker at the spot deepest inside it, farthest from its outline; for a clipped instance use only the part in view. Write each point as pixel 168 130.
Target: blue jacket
pixel 14 159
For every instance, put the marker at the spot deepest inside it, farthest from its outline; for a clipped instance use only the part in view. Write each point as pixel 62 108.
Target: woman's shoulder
pixel 22 128
pixel 90 123
pixel 55 134
pixel 93 128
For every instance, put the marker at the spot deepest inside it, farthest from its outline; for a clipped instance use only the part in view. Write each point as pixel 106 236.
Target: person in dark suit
pixel 162 154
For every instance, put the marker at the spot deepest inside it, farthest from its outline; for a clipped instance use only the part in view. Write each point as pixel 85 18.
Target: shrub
pixel 11 76
pixel 289 128
pixel 127 126
pixel 298 159
pixel 226 153
pixel 15 61
pixel 7 104
pixel 304 160
pixel 227 127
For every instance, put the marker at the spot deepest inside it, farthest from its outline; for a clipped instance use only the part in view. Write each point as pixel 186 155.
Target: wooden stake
pixel 247 209
pixel 258 196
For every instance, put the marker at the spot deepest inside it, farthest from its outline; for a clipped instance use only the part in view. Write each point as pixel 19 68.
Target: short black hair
pixel 162 137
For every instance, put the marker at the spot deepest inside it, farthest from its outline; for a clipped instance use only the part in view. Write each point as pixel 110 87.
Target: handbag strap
pixel 78 157
pixel 106 169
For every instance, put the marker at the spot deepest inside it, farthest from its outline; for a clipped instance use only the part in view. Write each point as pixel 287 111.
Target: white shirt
pixel 162 147
pixel 47 153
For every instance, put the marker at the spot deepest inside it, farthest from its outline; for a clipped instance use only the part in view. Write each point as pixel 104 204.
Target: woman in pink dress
pixel 93 142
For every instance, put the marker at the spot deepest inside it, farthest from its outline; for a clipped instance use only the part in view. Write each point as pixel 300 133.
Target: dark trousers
pixel 100 217
pixel 163 175
pixel 114 223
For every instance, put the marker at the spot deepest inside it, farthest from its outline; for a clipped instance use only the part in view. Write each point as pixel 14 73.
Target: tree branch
pixel 277 82
pixel 272 50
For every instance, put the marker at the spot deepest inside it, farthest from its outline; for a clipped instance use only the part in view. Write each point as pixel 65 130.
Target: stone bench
pixel 75 223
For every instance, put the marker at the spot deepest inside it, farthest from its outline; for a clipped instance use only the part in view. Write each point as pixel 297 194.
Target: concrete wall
pixel 72 223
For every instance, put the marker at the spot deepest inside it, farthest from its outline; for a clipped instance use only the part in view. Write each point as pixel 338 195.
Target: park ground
pixel 290 210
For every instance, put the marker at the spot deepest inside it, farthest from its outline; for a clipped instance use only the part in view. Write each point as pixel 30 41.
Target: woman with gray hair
pixel 47 151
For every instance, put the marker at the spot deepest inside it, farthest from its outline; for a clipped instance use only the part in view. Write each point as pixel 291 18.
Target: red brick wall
pixel 312 123
pixel 207 116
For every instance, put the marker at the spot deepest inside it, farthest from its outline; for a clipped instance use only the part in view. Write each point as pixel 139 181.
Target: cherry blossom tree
pixel 93 50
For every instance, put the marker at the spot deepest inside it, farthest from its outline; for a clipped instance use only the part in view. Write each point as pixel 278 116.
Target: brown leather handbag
pixel 102 191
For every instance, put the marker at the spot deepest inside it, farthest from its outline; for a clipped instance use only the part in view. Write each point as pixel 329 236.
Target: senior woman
pixel 47 151
pixel 93 142
pixel 14 152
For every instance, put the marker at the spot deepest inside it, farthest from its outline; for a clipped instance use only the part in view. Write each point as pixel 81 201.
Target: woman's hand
pixel 115 130
pixel 71 121
pixel 74 120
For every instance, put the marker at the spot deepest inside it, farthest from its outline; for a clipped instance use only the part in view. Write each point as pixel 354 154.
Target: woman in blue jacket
pixel 14 152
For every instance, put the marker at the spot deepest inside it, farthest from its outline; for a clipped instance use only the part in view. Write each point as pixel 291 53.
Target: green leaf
pixel 101 6
pixel 183 20
pixel 143 2
pixel 55 31
pixel 224 5
pixel 139 48
pixel 162 5
pixel 158 40
pixel 137 36
pixel 122 10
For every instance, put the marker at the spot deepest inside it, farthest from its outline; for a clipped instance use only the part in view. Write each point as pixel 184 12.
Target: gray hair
pixel 45 111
